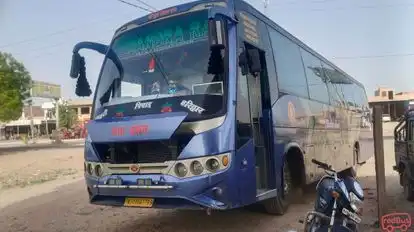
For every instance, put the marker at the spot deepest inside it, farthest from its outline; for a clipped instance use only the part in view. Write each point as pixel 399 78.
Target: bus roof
pixel 230 3
pixel 173 10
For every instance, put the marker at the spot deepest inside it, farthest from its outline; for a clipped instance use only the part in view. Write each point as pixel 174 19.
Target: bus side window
pixel 334 92
pixel 243 128
pixel 289 67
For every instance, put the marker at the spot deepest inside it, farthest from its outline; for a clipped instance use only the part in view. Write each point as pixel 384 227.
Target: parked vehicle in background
pixel 404 153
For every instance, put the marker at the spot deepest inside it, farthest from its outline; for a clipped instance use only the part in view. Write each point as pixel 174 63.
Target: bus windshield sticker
pixel 162 13
pixel 191 106
pixel 142 105
pixel 160 35
pixel 250 25
pixel 166 108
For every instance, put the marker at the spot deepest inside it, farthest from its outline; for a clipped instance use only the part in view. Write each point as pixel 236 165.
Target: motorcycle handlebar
pixel 322 164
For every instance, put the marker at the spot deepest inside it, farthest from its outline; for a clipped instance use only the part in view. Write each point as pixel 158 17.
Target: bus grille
pixel 140 151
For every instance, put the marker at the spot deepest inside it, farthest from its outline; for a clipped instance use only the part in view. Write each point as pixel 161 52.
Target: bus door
pixel 410 143
pixel 261 124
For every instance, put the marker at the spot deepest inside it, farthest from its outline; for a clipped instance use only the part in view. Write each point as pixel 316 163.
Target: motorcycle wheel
pixel 313 226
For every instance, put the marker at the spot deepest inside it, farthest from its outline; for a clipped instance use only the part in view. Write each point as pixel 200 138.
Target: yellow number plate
pixel 139 202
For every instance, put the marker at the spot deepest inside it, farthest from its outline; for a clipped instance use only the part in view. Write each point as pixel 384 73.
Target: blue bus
pixel 212 105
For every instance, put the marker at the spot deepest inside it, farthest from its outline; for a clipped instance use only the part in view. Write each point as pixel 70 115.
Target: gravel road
pixel 65 208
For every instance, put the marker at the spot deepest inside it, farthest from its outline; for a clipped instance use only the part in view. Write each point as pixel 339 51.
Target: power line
pixel 136 6
pixel 57 32
pixel 293 3
pixel 373 56
pixel 145 4
pixel 361 7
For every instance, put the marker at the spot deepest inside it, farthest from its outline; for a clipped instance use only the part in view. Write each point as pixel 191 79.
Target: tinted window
pixel 348 91
pixel 270 63
pixel 333 89
pixel 289 66
pixel 317 87
pixel 168 60
pixel 359 96
pixel 243 111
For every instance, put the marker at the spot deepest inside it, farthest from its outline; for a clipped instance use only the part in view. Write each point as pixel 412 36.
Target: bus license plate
pixel 139 202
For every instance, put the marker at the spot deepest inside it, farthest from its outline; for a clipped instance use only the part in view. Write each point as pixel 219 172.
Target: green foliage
pixel 15 83
pixel 67 116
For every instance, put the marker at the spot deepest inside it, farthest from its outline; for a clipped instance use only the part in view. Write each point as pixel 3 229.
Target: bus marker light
pixel 225 160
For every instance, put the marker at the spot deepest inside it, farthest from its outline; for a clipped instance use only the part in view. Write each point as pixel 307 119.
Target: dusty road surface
pixel 48 208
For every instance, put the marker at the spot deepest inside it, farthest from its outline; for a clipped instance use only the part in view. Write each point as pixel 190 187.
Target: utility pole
pixel 30 101
pixel 47 126
pixel 379 162
pixel 57 113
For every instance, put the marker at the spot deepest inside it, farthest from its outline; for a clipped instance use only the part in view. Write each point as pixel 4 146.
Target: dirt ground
pixel 43 191
pixel 35 170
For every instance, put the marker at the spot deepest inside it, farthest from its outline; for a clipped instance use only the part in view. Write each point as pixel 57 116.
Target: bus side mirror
pixel 243 64
pixel 75 66
pixel 250 62
pixel 254 61
pixel 216 34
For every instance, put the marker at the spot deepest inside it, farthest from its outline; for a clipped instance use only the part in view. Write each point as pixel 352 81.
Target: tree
pixel 67 116
pixel 15 83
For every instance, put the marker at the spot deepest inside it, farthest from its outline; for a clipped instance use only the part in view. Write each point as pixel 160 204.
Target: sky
pixel 371 40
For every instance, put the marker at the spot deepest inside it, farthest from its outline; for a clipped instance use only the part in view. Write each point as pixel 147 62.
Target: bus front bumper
pixel 164 191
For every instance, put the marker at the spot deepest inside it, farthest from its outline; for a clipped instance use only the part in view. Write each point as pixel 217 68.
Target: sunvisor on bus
pixel 137 128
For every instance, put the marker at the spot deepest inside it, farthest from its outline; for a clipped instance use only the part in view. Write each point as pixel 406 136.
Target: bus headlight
pixel 98 170
pixel 196 168
pixel 212 165
pixel 180 170
pixel 90 169
pixel 199 166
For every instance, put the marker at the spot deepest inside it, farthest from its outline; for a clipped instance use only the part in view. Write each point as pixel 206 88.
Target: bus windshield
pixel 164 60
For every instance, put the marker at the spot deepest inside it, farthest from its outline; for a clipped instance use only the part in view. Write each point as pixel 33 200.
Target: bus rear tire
pixel 279 204
pixel 408 186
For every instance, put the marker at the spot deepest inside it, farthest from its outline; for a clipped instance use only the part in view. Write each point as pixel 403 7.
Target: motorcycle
pixel 338 205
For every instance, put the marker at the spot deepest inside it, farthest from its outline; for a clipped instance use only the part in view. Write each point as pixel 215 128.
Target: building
pixel 43 121
pixel 393 103
pixel 83 108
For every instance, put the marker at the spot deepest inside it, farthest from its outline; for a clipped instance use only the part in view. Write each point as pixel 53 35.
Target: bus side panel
pixel 246 173
pixel 292 121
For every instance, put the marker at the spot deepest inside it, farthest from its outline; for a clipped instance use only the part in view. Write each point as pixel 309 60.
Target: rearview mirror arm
pixel 103 49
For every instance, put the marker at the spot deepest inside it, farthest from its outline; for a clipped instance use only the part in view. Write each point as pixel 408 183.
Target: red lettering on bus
pixel 162 13
pixel 138 130
pixel 118 131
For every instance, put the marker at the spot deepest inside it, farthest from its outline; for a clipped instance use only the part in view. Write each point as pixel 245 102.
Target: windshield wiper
pixel 160 67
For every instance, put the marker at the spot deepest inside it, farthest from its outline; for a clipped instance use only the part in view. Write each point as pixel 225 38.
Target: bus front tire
pixel 279 204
